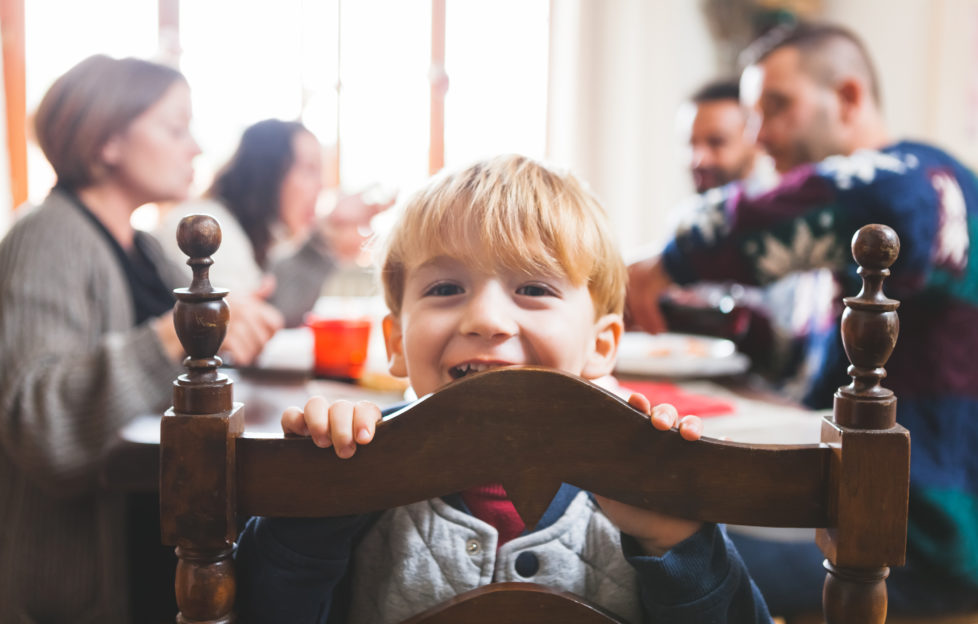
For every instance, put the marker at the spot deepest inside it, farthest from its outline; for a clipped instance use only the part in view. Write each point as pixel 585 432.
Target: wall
pixel 620 69
pixel 926 53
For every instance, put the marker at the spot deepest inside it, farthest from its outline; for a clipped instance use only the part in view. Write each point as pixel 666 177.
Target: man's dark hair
pixel 826 50
pixel 717 90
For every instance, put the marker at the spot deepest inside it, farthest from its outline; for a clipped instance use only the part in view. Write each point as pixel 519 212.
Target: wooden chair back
pixel 531 430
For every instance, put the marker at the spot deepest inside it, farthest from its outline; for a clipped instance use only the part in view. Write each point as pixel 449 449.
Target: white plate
pixel 678 355
pixel 288 350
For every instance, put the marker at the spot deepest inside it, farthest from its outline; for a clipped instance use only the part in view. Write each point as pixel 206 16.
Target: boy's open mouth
pixel 461 370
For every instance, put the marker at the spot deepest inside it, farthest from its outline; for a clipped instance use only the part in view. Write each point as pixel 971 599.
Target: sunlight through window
pixel 356 73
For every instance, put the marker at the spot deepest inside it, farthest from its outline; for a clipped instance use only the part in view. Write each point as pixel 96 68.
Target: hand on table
pixel 167 334
pixel 253 322
pixel 647 281
pixel 347 227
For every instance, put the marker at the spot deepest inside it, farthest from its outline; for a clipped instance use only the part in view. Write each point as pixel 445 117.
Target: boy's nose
pixel 488 313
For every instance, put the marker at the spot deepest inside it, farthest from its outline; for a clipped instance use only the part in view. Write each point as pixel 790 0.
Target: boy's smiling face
pixel 457 317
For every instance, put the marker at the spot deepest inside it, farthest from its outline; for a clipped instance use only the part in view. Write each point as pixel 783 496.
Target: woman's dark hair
pixel 249 184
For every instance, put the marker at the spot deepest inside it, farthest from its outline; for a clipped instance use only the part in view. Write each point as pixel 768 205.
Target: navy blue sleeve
pixel 701 579
pixel 288 568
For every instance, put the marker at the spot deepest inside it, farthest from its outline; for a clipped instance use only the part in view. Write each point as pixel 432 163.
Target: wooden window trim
pixel 15 94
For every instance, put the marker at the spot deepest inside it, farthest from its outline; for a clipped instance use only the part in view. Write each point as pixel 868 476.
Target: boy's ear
pixel 394 341
pixel 607 334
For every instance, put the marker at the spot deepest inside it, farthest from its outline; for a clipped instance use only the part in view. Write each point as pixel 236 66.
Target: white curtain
pixel 618 71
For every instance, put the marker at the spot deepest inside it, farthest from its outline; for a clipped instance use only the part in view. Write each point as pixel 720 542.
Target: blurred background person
pixel 771 325
pixel 273 243
pixel 722 139
pixel 87 340
pixel 816 89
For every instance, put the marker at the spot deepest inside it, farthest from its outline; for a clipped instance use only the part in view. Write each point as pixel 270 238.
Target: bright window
pixel 496 58
pixel 60 33
pixel 357 71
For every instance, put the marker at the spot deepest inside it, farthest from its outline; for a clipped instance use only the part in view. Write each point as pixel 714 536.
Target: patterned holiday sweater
pixel 931 201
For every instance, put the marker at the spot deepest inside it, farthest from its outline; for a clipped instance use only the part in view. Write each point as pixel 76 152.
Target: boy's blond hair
pixel 532 218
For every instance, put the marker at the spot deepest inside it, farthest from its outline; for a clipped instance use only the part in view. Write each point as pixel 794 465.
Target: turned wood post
pixel 871 462
pixel 197 442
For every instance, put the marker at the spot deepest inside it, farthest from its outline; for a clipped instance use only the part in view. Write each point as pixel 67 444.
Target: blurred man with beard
pixel 816 92
pixel 722 138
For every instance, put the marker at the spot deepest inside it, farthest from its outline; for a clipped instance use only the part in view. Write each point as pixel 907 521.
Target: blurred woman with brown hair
pixel 86 333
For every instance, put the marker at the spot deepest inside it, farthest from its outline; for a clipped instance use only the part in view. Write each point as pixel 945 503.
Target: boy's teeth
pixel 470 367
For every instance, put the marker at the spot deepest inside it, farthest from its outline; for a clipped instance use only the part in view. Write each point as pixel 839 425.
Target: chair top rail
pixel 555 428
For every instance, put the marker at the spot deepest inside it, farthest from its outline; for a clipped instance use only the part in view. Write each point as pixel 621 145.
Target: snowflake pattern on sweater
pixel 807 221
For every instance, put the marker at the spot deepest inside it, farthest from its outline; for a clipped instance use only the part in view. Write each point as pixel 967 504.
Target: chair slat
pixel 556 429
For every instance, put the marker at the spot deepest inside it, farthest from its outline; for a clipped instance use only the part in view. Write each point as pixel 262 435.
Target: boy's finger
pixel 691 427
pixel 316 416
pixel 293 422
pixel 640 402
pixel 366 415
pixel 664 416
pixel 341 428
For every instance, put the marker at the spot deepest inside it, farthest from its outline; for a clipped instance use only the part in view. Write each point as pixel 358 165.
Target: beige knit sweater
pixel 73 369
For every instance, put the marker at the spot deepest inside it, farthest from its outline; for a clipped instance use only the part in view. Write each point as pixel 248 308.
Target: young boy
pixel 505 262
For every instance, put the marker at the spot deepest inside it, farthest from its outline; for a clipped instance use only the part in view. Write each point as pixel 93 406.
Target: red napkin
pixel 685 402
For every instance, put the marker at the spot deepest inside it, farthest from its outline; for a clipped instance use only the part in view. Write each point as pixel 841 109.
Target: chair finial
pixel 196 514
pixel 200 315
pixel 199 236
pixel 875 248
pixel 869 330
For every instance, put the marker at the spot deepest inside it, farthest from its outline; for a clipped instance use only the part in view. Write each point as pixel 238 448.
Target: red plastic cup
pixel 340 346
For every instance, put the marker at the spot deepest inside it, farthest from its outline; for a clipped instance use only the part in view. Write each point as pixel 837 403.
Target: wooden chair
pixel 489 427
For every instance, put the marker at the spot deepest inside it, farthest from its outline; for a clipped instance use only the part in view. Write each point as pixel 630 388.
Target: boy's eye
pixel 535 290
pixel 443 290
